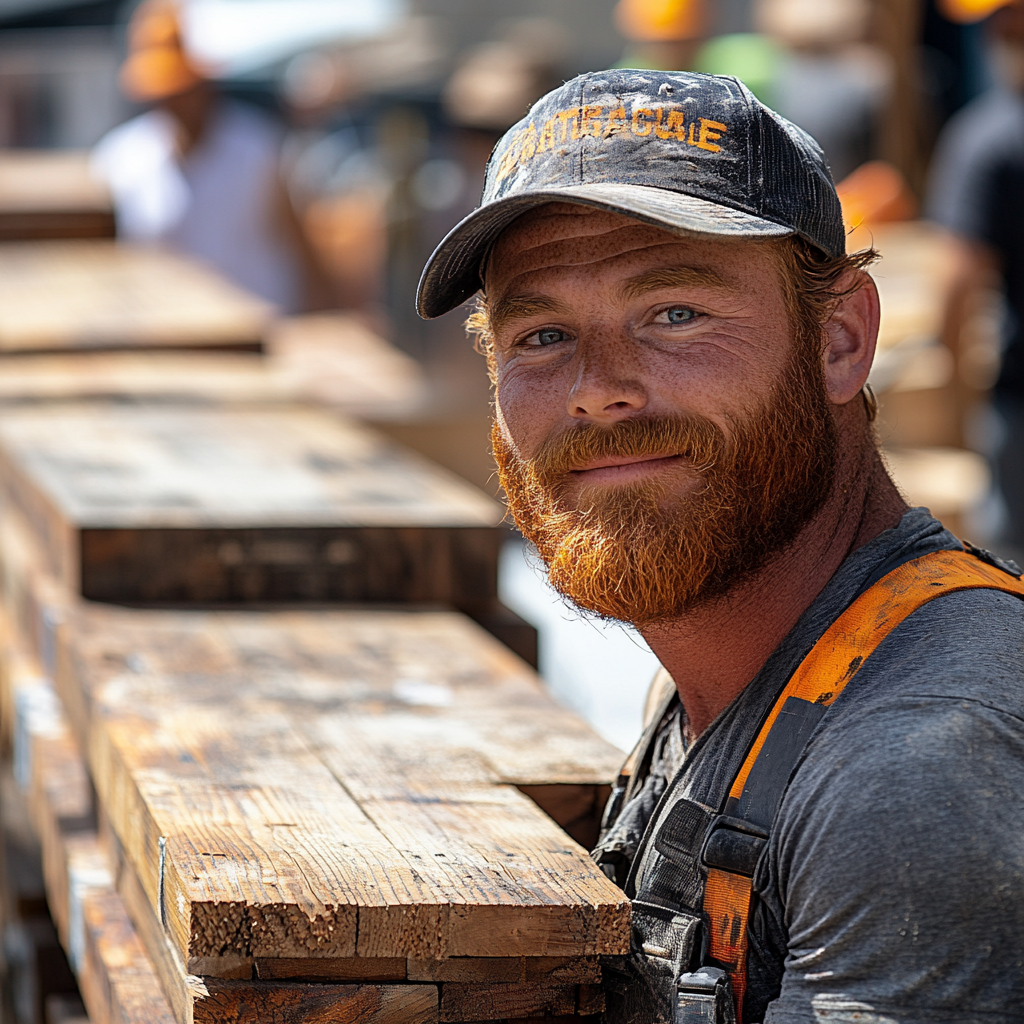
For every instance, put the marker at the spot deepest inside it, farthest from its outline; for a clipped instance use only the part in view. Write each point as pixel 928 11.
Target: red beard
pixel 635 552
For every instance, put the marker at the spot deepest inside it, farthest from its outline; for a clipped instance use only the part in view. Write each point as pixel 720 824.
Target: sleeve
pixel 900 865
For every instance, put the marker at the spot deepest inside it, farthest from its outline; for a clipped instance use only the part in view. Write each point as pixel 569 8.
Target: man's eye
pixel 677 314
pixel 549 336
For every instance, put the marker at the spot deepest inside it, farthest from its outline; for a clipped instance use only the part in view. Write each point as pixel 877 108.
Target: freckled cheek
pixel 528 409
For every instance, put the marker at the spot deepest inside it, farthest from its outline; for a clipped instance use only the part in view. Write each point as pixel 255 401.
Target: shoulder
pixel 149 128
pixel 939 706
pixel 991 119
pixel 981 137
pixel 902 834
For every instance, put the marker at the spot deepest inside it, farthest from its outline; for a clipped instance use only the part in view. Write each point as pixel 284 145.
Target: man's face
pixel 659 435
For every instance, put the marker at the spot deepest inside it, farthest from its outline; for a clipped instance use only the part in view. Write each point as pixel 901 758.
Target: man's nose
pixel 606 388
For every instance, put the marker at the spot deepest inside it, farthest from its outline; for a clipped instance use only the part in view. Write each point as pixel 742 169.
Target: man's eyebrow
pixel 672 277
pixel 520 307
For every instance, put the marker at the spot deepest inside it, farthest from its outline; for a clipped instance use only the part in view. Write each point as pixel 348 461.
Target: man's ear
pixel 851 335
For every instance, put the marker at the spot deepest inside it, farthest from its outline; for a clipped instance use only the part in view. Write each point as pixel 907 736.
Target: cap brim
pixel 453 272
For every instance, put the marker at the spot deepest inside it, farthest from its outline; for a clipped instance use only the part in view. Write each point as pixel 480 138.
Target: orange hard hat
pixel 650 21
pixel 967 11
pixel 157 65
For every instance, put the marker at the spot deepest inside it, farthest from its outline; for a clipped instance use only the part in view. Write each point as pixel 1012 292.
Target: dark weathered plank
pixel 296 1003
pixel 504 1002
pixel 107 295
pixel 48 194
pixel 186 505
pixel 547 970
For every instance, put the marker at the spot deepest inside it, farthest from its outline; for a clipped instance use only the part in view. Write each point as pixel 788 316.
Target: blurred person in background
pixel 809 60
pixel 976 191
pixel 199 173
pixel 662 34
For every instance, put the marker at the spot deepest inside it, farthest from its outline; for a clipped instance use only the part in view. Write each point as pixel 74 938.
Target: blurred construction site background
pixel 314 151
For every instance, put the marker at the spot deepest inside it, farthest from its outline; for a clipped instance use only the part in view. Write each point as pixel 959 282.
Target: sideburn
pixel 637 554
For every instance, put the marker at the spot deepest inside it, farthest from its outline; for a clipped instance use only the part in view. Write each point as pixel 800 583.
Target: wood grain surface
pixel 119 980
pixel 186 505
pixel 102 295
pixel 114 974
pixel 337 785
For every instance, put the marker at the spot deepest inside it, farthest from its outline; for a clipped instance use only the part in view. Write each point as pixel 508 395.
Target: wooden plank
pixel 548 986
pixel 106 295
pixel 166 504
pixel 328 359
pixel 548 970
pixel 247 845
pixel 47 194
pixel 504 1002
pixel 116 976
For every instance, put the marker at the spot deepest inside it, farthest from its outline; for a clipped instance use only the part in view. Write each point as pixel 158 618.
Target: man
pixel 678 343
pixel 977 192
pixel 199 173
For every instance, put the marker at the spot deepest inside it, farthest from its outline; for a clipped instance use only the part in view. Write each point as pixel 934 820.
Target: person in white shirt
pixel 199 173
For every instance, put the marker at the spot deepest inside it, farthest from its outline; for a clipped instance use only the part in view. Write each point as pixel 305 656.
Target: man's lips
pixel 614 466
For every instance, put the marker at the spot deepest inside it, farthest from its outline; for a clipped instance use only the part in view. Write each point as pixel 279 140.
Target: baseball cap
pixel 681 150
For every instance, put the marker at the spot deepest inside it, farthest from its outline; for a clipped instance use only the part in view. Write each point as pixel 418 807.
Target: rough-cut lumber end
pixel 293 1003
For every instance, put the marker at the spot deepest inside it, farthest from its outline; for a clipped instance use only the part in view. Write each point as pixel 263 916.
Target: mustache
pixel 695 438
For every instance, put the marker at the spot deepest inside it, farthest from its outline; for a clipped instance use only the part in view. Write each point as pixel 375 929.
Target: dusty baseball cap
pixel 684 151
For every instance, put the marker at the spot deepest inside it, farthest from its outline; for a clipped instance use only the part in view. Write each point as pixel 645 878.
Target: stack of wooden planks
pixel 51 194
pixel 177 504
pixel 267 762
pixel 925 401
pixel 104 295
pixel 301 813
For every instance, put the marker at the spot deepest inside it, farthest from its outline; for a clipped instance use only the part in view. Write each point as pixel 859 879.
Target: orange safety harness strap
pixel 819 679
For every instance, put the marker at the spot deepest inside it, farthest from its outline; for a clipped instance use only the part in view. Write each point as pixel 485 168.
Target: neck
pixel 714 652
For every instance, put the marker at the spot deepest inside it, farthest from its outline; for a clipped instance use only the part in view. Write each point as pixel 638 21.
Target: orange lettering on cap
pixel 528 143
pixel 616 121
pixel 547 136
pixel 636 121
pixel 676 125
pixel 567 116
pixel 507 162
pixel 661 130
pixel 709 130
pixel 590 116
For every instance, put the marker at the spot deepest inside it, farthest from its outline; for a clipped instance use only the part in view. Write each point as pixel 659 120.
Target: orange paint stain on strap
pixel 833 661
pixel 846 644
pixel 727 904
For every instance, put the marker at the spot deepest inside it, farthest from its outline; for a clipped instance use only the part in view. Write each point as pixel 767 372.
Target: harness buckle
pixel 704 996
pixel 734 845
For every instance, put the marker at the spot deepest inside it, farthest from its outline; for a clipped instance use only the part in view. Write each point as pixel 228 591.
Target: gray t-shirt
pixel 893 884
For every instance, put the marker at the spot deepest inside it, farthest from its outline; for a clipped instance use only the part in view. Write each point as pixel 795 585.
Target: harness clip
pixel 704 996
